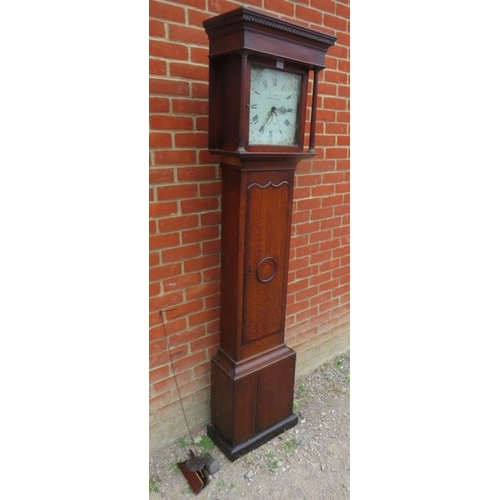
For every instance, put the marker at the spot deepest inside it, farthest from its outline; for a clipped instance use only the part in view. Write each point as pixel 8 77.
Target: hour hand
pixel 283 109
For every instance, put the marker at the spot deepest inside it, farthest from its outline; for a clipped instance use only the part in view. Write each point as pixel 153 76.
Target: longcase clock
pixel 258 86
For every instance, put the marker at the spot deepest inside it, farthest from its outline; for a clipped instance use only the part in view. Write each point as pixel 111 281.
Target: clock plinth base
pixel 251 400
pixel 234 452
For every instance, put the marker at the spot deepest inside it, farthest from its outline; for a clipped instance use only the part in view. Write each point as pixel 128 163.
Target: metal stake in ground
pixel 194 463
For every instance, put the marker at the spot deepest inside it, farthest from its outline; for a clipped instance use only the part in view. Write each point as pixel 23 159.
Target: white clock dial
pixel 274 102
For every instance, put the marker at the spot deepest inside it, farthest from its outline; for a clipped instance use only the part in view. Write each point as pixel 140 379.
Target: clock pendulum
pixel 258 82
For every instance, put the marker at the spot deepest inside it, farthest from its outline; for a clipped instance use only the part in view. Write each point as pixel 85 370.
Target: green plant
pixel 301 388
pixel 295 405
pixel 153 484
pixel 272 462
pixel 206 443
pixel 183 443
pixel 290 445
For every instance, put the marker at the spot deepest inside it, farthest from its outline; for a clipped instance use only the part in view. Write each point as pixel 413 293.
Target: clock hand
pixel 267 119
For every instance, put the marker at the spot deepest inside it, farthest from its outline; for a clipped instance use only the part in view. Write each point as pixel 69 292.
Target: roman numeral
pixel 270 135
pixel 287 123
pixel 261 129
pixel 255 119
pixel 275 81
pixel 289 110
pixel 254 106
pixel 289 97
pixel 264 83
pixel 257 92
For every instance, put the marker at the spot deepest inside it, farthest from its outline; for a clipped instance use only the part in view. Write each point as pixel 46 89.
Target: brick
pixel 168 50
pixel 161 175
pixel 196 174
pixel 187 34
pixel 175 156
pixel 343 140
pixel 341 271
pixel 157 140
pixel 157 67
pixel 154 289
pixel 308 14
pixel 343 116
pixel 164 240
pixel 162 209
pixel 199 55
pixel 177 191
pixel 210 188
pixel 210 218
pixel 168 87
pixel 186 336
pixel 286 8
pixel 183 140
pixel 220 6
pixel 334 103
pixel 164 272
pixel 159 105
pixel 179 254
pixel 169 122
pixel 342 187
pixel 307 227
pixel 200 263
pixel 166 11
pixel 209 247
pixel 200 234
pixel 199 90
pixel 202 290
pixel 189 70
pixel 306 250
pixel 154 258
pixel 199 205
pixel 178 223
pixel 335 23
pixel 156 28
pixel 201 4
pixel 341 210
pixel 343 164
pixel 308 180
pixel 204 156
pixel 180 282
pixel 211 274
pixel 191 106
pixel 204 342
pixel 342 10
pixel 203 317
pixel 344 90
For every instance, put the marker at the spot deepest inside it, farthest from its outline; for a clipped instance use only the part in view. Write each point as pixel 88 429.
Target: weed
pixel 174 467
pixel 272 462
pixel 153 484
pixel 290 445
pixel 295 405
pixel 206 444
pixel 183 443
pixel 301 388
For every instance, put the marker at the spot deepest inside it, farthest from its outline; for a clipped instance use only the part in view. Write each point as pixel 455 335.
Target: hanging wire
pixel 193 463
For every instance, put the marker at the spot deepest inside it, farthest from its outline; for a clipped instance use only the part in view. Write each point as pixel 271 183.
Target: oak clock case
pixel 258 85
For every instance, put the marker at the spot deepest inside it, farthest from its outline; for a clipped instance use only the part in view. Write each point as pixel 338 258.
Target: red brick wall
pixel 185 210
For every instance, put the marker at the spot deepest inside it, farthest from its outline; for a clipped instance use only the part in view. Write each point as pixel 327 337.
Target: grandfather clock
pixel 259 73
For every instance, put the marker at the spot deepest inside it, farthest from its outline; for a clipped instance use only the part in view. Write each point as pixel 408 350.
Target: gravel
pixel 310 461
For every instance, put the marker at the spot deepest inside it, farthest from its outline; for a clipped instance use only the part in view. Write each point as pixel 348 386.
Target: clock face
pixel 274 103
